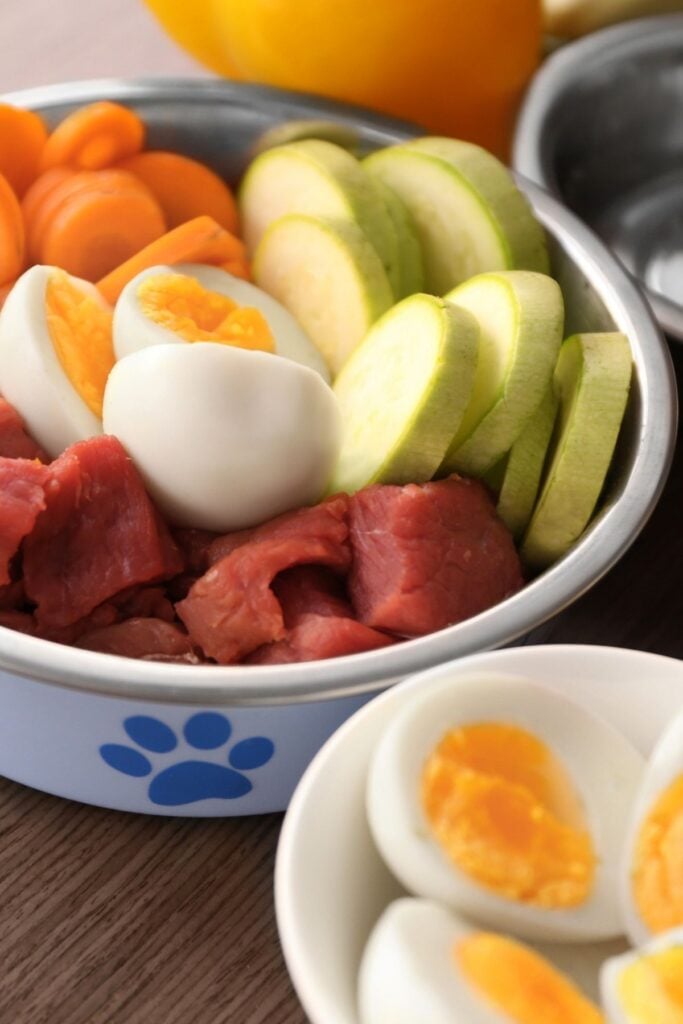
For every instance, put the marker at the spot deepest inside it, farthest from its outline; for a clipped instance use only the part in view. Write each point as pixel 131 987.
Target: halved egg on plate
pixel 508 803
pixel 652 868
pixel 423 964
pixel 646 986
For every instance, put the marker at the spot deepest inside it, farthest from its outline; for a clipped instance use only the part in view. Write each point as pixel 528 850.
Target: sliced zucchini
pixel 523 467
pixel 592 380
pixel 328 276
pixel 402 393
pixel 520 315
pixel 469 214
pixel 316 177
pixel 410 263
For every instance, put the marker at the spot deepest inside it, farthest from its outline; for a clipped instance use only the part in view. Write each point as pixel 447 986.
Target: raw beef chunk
pixel 232 610
pixel 22 499
pixel 99 534
pixel 318 618
pixel 15 442
pixel 139 638
pixel 426 556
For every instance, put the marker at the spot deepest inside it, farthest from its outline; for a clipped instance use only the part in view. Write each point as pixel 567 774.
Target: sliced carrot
pixel 38 193
pixel 200 240
pixel 71 184
pixel 94 231
pixel 12 238
pixel 185 188
pixel 239 267
pixel 94 137
pixel 5 289
pixel 22 138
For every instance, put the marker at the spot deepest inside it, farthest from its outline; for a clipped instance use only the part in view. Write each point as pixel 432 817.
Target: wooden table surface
pixel 110 918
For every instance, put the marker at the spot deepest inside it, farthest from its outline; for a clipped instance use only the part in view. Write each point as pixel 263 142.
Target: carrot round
pixel 67 187
pixel 238 267
pixel 94 137
pixel 12 238
pixel 5 289
pixel 93 231
pixel 200 240
pixel 38 193
pixel 22 139
pixel 184 188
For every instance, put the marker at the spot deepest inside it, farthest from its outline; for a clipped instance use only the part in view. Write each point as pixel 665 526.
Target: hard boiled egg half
pixel 223 437
pixel 508 803
pixel 652 868
pixel 55 355
pixel 424 965
pixel 193 302
pixel 646 986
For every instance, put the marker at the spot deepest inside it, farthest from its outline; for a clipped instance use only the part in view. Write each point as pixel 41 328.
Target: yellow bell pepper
pixel 457 67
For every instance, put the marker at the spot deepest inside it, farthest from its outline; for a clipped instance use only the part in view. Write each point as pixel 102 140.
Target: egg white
pixel 408 973
pixel 133 330
pixel 612 970
pixel 604 768
pixel 224 438
pixel 663 768
pixel 31 376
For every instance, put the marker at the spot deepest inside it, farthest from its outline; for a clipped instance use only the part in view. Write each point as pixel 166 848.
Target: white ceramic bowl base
pixel 160 758
pixel 330 883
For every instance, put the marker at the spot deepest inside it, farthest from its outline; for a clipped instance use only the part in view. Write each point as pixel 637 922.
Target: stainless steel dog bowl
pixel 59 705
pixel 602 128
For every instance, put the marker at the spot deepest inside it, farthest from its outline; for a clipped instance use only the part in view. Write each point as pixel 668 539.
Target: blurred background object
pixel 601 126
pixel 572 18
pixel 456 67
pixel 73 39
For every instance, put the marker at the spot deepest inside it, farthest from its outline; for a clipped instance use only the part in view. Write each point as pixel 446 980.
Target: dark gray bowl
pixel 602 128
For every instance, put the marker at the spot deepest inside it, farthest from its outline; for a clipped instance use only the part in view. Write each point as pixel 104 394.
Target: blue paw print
pixel 188 781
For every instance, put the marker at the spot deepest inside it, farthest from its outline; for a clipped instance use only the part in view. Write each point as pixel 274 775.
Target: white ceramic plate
pixel 330 884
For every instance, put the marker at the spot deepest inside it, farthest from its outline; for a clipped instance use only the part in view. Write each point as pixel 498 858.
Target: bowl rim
pixel 292 935
pixel 554 78
pixel 606 540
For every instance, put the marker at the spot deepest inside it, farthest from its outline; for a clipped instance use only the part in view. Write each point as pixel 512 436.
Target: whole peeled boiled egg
pixel 646 986
pixel 424 964
pixel 224 438
pixel 193 302
pixel 55 354
pixel 652 866
pixel 508 803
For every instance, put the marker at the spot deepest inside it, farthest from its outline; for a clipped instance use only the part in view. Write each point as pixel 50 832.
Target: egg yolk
pixel 520 983
pixel 651 988
pixel 81 334
pixel 182 305
pixel 505 812
pixel 658 862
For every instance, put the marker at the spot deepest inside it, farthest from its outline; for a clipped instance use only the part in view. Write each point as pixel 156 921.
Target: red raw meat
pixel 22 499
pixel 289 524
pixel 99 534
pixel 426 556
pixel 310 590
pixel 21 621
pixel 139 638
pixel 15 442
pixel 144 603
pixel 104 615
pixel 231 610
pixel 195 546
pixel 319 621
pixel 12 596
